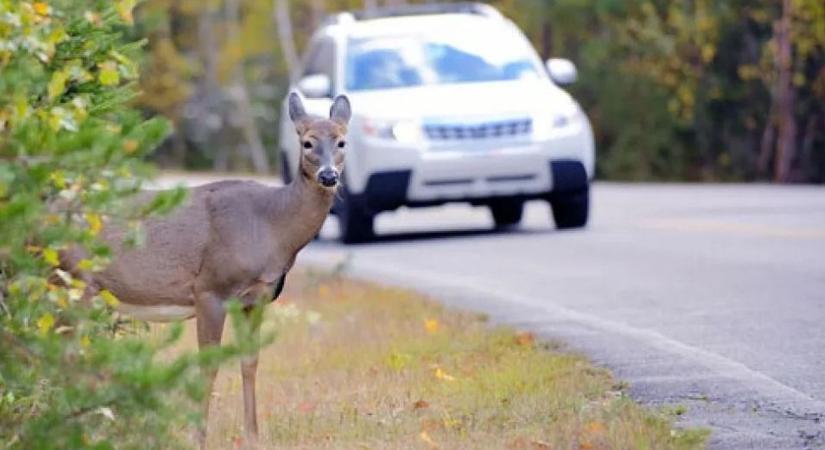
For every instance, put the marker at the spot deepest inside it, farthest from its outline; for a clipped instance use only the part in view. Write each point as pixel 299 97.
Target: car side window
pixel 321 60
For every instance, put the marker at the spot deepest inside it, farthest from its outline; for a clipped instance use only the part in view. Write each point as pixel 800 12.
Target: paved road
pixel 711 296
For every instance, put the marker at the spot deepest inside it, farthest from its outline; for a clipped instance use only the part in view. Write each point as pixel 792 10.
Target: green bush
pixel 71 374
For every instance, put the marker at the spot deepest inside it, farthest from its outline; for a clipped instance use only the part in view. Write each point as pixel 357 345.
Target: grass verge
pixel 359 366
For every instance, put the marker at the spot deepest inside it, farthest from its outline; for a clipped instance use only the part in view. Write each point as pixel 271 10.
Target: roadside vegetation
pixel 73 375
pixel 358 366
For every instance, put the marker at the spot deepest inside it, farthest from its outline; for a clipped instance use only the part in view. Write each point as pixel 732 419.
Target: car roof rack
pixel 415 10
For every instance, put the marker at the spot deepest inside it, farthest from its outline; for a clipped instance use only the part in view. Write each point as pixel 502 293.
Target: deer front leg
pixel 210 316
pixel 249 368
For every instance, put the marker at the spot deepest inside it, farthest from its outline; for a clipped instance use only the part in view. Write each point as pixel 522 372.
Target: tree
pixel 73 374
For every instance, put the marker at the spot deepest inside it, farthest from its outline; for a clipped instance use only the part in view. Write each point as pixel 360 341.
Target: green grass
pixel 358 366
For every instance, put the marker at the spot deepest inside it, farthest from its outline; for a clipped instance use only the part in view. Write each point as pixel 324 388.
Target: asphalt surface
pixel 707 296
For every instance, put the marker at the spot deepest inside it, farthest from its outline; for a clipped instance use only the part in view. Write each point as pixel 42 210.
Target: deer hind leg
pixel 210 316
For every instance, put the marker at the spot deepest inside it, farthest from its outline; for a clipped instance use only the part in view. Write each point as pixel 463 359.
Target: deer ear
pixel 297 112
pixel 340 111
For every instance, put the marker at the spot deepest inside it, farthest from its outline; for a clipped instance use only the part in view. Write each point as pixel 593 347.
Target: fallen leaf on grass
pixel 526 339
pixel 595 427
pixel 106 412
pixel 426 438
pixel 421 404
pixel 441 375
pixel 431 325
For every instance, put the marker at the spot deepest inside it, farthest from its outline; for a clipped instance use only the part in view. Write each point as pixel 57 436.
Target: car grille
pixel 484 130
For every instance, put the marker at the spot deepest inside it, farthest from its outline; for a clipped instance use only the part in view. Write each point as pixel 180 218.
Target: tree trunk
pixel 283 23
pixel 785 97
pixel 767 143
pixel 546 40
pixel 211 91
pixel 240 96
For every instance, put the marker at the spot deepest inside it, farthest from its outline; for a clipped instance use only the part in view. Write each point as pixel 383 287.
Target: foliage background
pixel 677 90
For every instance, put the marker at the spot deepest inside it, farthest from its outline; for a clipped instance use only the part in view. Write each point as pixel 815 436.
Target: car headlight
pixel 547 124
pixel 403 131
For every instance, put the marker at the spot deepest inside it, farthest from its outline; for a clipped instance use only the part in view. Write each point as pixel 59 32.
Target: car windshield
pixel 457 56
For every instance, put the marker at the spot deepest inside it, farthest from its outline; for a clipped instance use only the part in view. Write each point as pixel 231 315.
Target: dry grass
pixel 356 366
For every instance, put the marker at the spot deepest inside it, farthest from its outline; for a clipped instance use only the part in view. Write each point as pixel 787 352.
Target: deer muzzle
pixel 328 177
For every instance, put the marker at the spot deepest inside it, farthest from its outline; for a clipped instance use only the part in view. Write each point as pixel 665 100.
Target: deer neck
pixel 299 213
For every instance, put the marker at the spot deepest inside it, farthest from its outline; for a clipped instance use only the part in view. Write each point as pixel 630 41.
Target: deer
pixel 230 239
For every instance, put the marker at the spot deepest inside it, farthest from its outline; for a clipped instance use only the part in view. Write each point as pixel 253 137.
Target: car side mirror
pixel 562 71
pixel 315 86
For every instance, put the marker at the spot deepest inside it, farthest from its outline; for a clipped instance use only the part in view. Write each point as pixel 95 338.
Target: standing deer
pixel 231 239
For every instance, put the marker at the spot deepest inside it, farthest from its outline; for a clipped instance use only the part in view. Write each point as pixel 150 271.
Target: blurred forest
pixel 677 90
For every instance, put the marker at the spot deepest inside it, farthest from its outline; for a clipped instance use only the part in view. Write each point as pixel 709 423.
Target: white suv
pixel 450 103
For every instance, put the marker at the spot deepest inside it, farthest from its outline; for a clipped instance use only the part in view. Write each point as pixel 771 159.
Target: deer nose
pixel 328 177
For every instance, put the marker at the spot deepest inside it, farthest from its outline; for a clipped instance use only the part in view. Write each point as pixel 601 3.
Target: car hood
pixel 462 100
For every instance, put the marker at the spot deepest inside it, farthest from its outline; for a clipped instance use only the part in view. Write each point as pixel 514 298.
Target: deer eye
pixel 307 144
pixel 341 144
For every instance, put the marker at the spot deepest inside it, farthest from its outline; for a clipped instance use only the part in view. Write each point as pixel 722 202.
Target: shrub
pixel 71 149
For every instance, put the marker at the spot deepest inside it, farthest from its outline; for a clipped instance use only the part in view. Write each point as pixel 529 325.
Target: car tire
pixel 507 213
pixel 570 209
pixel 355 221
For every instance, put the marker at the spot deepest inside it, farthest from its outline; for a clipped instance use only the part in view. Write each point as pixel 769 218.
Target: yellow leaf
pixel 85 264
pixel 95 224
pixel 109 298
pixel 85 342
pixel 441 375
pixel 57 84
pixel 45 323
pixel 431 325
pixel 59 179
pixel 41 8
pixel 124 8
pixel 51 257
pixel 426 438
pixel 108 75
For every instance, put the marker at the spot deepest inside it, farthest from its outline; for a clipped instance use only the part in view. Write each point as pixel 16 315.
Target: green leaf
pixel 57 84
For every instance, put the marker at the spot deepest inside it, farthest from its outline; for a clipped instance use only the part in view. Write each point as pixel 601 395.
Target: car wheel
pixel 570 209
pixel 507 213
pixel 355 222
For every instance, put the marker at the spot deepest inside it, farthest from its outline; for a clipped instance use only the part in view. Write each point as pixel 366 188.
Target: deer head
pixel 322 141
